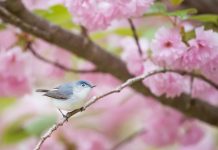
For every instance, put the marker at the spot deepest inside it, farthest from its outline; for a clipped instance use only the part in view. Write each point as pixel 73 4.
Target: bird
pixel 69 96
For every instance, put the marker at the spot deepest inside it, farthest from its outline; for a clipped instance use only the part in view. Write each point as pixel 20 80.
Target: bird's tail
pixel 42 90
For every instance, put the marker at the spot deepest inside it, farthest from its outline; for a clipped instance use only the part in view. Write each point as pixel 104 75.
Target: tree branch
pixel 15 13
pixel 129 82
pixel 203 6
pixel 135 36
pixel 192 74
pixel 56 64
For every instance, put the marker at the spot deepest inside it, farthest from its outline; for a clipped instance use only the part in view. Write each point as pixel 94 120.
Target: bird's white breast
pixel 77 100
pixel 69 105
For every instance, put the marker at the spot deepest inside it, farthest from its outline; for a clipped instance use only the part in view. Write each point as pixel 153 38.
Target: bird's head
pixel 82 88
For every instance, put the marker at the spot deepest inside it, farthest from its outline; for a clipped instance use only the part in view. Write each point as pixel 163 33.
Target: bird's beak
pixel 93 86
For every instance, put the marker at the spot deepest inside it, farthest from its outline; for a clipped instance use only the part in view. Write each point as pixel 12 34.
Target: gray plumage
pixel 62 92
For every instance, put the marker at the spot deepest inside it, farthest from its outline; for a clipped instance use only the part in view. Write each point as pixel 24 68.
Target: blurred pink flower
pixel 14 74
pixel 170 84
pixel 210 69
pixel 52 53
pixel 167 46
pixel 52 144
pixel 7 38
pixel 204 91
pixel 202 49
pixel 114 118
pixel 103 81
pixel 104 12
pixel 131 55
pixel 191 133
pixel 207 142
pixel 161 126
pixel 85 139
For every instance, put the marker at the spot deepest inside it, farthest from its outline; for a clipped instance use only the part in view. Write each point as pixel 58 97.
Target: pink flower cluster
pixel 169 51
pixel 98 14
pixel 40 4
pixel 165 126
pixel 167 46
pixel 202 49
pixel 15 78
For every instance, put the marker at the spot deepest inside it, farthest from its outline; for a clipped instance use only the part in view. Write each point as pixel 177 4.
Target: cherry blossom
pixel 167 46
pixel 104 12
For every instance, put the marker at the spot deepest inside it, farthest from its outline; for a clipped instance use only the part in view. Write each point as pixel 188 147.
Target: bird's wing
pixel 56 94
pixel 62 92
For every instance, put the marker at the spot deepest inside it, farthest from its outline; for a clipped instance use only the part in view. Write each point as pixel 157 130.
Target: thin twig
pixel 135 35
pixel 128 139
pixel 97 98
pixel 56 64
pixel 192 74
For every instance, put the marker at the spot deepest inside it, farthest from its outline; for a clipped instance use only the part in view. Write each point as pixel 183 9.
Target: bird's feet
pixel 82 109
pixel 64 116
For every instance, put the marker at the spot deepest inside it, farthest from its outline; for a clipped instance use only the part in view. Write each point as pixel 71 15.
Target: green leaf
pixel 2 26
pixel 157 7
pixel 57 14
pixel 40 124
pixel 15 132
pixel 124 31
pixel 183 13
pixel 176 2
pixel 206 18
pixel 186 36
pixel 5 102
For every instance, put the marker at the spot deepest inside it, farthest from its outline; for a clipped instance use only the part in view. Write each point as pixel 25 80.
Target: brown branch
pixel 203 6
pixel 56 64
pixel 84 31
pixel 117 90
pixel 135 36
pixel 128 139
pixel 15 13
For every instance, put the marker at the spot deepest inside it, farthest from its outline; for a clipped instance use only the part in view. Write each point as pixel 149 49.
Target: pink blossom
pixel 102 80
pixel 131 55
pixel 210 69
pixel 52 53
pixel 116 117
pixel 85 139
pixel 167 46
pixel 202 49
pixel 170 84
pixel 204 91
pixel 7 38
pixel 190 133
pixel 104 12
pixel 206 143
pixel 14 74
pixel 161 126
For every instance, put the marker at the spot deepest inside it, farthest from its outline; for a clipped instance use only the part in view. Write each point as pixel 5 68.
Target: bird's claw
pixel 65 117
pixel 82 109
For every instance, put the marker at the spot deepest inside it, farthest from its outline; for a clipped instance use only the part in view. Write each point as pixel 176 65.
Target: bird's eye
pixel 83 85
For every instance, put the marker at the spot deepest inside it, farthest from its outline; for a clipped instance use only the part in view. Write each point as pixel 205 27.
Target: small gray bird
pixel 69 96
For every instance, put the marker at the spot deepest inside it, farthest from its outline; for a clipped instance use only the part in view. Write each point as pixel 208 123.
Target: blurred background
pixel 123 121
